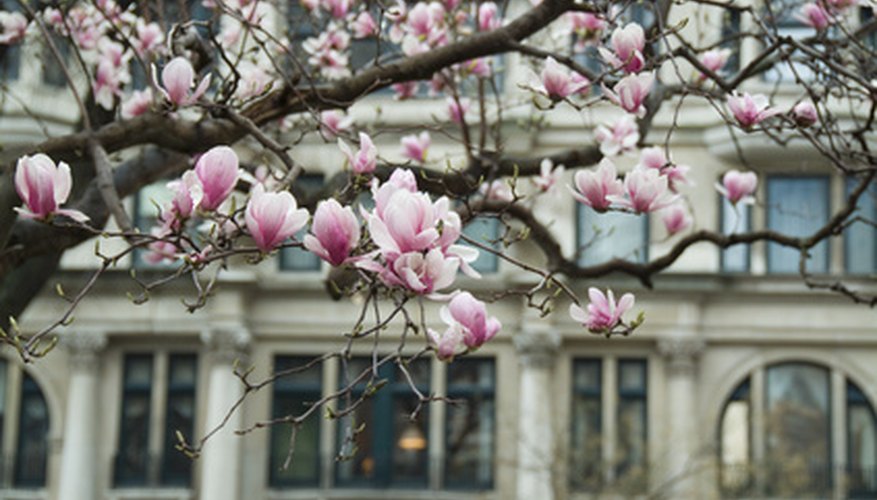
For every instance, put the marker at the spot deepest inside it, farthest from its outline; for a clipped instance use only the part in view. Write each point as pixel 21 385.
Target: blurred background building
pixel 741 383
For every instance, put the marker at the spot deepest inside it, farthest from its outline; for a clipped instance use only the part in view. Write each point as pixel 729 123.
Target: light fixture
pixel 412 438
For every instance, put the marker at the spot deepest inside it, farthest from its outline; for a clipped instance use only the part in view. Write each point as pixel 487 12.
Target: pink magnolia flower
pixel 627 46
pixel 631 92
pixel 108 80
pixel 618 137
pixel 654 157
pixel 177 79
pixel 714 60
pixel 187 195
pixel 366 158
pixel 335 232
pixel 407 222
pixel 364 25
pixel 738 187
pixel 813 14
pixel 139 103
pixel 150 38
pixel 334 122
pixel 414 147
pixel 488 17
pixel 676 218
pixel 400 179
pixel 422 274
pixel 404 90
pixel 594 188
pixel 469 315
pixel 14 26
pixel 604 313
pixel 557 83
pixel 43 187
pixel 273 217
pixel 805 114
pixel 750 110
pixel 646 191
pixel 587 28
pixel 457 109
pixel 479 67
pixel 447 343
pixel 548 175
pixel 218 171
pixel 497 190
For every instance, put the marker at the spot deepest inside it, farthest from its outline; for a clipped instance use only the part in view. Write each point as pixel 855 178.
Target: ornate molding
pixel 83 347
pixel 681 353
pixel 537 348
pixel 228 343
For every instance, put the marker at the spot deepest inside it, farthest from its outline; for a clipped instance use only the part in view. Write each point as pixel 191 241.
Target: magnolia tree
pixel 237 73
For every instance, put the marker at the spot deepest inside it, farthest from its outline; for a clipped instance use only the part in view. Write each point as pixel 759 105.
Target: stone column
pixel 536 449
pixel 79 453
pixel 681 355
pixel 221 459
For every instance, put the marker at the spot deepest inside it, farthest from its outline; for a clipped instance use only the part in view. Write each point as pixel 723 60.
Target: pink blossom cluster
pixel 603 314
pixel 43 187
pixel 469 327
pixel 415 238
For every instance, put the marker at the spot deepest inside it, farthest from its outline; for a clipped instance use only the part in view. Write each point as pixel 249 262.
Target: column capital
pixel 83 346
pixel 681 353
pixel 228 343
pixel 537 346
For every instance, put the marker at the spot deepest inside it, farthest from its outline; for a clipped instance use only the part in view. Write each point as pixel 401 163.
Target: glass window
pixel 381 445
pixel 135 463
pixel 610 235
pixel 296 258
pixel 860 239
pixel 484 230
pixel 33 431
pixel 10 55
pixel 470 424
pixel 782 14
pixel 52 73
pixel 132 460
pixel 180 418
pixel 735 219
pixel 293 394
pixel 731 39
pixel 734 442
pixel 861 444
pixel 797 425
pixel 631 460
pixel 797 206
pixel 586 443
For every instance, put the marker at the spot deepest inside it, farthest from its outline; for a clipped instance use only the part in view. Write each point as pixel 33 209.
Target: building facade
pixel 742 383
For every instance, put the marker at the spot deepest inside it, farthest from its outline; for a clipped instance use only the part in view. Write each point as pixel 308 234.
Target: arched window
pixel 776 435
pixel 25 445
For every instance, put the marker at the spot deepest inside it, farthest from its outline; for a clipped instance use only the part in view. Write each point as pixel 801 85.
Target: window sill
pixel 147 493
pixel 376 494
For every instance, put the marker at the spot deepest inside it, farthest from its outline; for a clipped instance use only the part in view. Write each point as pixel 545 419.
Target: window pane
pixel 730 31
pixel 383 447
pixel 632 376
pixel 470 424
pixel 484 230
pixel 797 206
pixel 176 466
pixel 603 237
pixel 586 450
pixel 860 239
pixel 631 459
pixel 797 424
pixel 10 55
pixel 735 439
pixel 33 430
pixel 862 444
pixel 293 395
pixel 132 461
pixel 737 219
